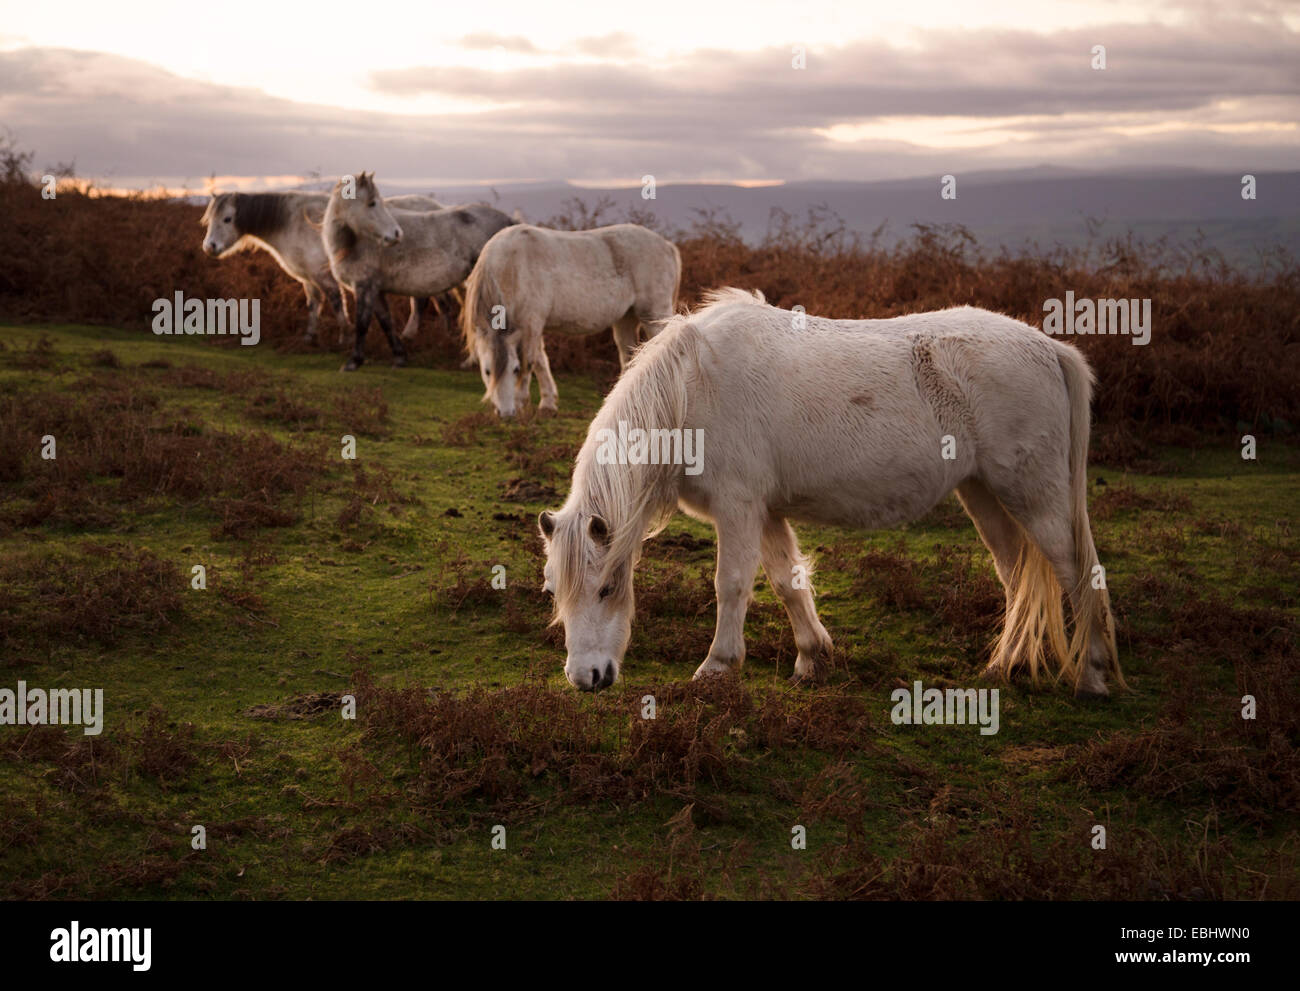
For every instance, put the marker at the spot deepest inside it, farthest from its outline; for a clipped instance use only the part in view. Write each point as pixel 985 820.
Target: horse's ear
pixel 546 521
pixel 599 530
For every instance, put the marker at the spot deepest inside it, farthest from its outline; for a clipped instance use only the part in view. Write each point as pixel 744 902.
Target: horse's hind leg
pixel 418 306
pixel 790 574
pixel 1055 535
pixel 1004 539
pixel 334 296
pixel 739 540
pixel 1048 527
pixel 386 322
pixel 534 361
pixel 625 337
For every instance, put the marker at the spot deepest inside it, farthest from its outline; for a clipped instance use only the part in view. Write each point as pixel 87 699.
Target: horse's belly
pixel 574 329
pixel 588 315
pixel 867 486
pixel 858 510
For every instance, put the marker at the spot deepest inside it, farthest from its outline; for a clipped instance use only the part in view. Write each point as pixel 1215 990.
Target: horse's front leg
pixel 365 306
pixel 791 576
pixel 738 556
pixel 546 382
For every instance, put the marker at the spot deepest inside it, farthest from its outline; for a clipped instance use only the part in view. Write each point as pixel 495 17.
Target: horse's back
pixel 892 414
pixel 438 247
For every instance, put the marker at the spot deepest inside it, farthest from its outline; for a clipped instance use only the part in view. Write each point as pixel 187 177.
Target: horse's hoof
pixel 711 669
pixel 994 671
pixel 547 411
pixel 351 366
pixel 399 361
pixel 807 673
pixel 1087 694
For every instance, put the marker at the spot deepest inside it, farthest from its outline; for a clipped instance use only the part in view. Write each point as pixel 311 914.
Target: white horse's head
pixel 506 380
pixel 365 211
pixel 221 219
pixel 593 596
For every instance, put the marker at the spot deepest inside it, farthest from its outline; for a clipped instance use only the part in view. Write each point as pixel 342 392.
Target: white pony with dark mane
pixel 532 279
pixel 373 250
pixel 287 226
pixel 860 423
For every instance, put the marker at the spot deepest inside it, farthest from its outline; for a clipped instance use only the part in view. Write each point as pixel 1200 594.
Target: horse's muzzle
pixel 594 678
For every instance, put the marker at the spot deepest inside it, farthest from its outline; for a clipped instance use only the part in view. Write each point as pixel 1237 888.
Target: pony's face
pixel 367 214
pixel 223 232
pixel 505 380
pixel 596 612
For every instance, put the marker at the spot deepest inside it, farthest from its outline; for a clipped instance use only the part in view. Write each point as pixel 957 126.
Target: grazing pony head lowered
pixel 594 541
pixel 362 213
pixel 494 342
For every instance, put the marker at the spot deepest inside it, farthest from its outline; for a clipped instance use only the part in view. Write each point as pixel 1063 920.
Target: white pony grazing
pixel 532 279
pixel 373 250
pixel 287 226
pixel 862 423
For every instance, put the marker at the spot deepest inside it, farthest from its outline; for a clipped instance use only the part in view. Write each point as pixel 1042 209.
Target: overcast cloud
pixel 1210 93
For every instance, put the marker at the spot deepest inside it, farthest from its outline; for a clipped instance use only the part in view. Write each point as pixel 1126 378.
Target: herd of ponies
pixel 854 423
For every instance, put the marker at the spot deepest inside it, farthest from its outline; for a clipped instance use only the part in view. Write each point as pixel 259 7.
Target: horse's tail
pixel 1092 616
pixel 1035 619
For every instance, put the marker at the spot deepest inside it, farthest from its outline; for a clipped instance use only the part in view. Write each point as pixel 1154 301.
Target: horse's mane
pixel 260 214
pixel 213 200
pixel 728 295
pixel 636 501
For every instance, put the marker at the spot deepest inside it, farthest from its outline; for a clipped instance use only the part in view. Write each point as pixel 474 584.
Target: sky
pixel 257 94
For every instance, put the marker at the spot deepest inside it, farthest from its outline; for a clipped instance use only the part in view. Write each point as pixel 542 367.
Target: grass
pixel 373 578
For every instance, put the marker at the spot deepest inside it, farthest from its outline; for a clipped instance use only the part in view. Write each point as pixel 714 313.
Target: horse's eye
pixel 227 220
pixel 372 204
pixel 605 592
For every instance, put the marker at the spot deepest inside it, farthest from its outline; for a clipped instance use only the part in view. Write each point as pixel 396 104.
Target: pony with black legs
pixel 373 249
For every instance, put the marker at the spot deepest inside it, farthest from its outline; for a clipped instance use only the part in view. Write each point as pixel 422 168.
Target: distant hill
pixel 1048 205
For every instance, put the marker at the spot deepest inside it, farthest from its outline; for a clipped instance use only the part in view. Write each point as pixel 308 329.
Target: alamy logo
pixel 953 706
pixel 657 446
pixel 213 316
pixel 1098 316
pixel 56 707
pixel 77 945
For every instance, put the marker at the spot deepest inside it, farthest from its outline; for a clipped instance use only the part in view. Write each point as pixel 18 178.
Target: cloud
pixel 486 40
pixel 982 74
pixel 1206 93
pixel 618 44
